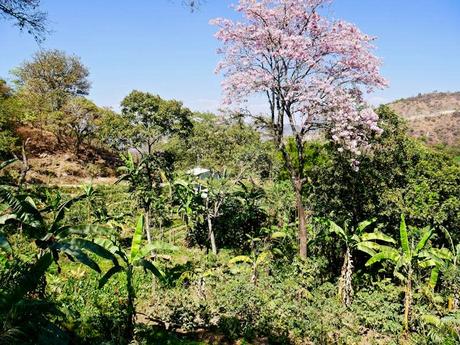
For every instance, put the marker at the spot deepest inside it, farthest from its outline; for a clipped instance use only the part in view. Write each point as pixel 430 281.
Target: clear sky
pixel 160 47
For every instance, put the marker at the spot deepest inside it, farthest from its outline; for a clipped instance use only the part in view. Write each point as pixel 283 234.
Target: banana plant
pixel 188 202
pixel 446 262
pixel 137 257
pixel 354 238
pixel 147 179
pixel 26 314
pixel 405 258
pixel 4 244
pixel 53 235
pixel 451 271
pixel 262 252
pixel 53 239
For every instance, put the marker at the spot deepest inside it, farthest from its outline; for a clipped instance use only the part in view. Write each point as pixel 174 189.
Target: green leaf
pixel 263 257
pixel 428 263
pixel 277 251
pixel 399 275
pixel 94 248
pixel 421 244
pixel 240 258
pixel 105 278
pixel 31 201
pixel 333 227
pixel 434 277
pixel 278 234
pixel 377 236
pixel 404 237
pixel 82 230
pixel 148 265
pixel 107 244
pixel 137 239
pixel 441 253
pixel 61 211
pixel 77 254
pixel 4 164
pixel 3 207
pixel 449 238
pixel 431 319
pixel 84 259
pixel 5 245
pixel 367 247
pixel 364 224
pixel 7 217
pixel 25 212
pixel 391 255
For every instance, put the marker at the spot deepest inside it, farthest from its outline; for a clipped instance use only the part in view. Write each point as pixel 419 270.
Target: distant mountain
pixel 433 117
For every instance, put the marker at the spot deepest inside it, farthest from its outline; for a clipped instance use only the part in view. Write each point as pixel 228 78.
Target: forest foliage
pixel 223 230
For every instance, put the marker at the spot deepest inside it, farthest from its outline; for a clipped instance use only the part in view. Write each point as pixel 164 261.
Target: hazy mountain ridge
pixel 434 117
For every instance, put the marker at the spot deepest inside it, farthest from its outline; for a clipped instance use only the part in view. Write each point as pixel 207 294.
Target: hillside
pixel 56 163
pixel 433 117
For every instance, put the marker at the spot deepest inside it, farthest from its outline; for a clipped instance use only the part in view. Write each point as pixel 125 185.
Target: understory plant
pixel 409 255
pixel 354 239
pixel 23 303
pixel 138 256
pixel 262 251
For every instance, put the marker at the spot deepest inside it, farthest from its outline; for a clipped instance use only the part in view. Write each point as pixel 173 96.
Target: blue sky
pixel 160 47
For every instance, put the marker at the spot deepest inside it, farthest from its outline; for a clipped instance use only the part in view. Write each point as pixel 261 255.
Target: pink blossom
pixel 314 71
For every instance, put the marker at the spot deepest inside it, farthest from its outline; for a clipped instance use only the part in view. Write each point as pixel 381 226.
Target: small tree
pixel 149 120
pixel 313 72
pixel 406 258
pixel 216 191
pixel 55 76
pixel 25 310
pixel 146 176
pixel 262 251
pixel 137 257
pixel 10 109
pixel 79 121
pixel 354 239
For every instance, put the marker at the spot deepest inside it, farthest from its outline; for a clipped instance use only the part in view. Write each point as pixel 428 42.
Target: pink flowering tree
pixel 313 72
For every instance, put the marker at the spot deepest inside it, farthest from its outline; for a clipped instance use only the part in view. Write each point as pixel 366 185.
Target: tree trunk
pixel 456 300
pixel 78 143
pixel 131 309
pixel 302 221
pixel 24 164
pixel 147 225
pixel 453 301
pixel 345 281
pixel 254 274
pixel 161 229
pixel 211 235
pixel 408 301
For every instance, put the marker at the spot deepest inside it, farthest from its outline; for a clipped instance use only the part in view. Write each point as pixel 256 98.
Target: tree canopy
pixel 147 120
pixel 53 75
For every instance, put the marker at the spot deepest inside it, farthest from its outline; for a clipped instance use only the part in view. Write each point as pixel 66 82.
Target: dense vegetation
pixel 199 239
pixel 369 276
